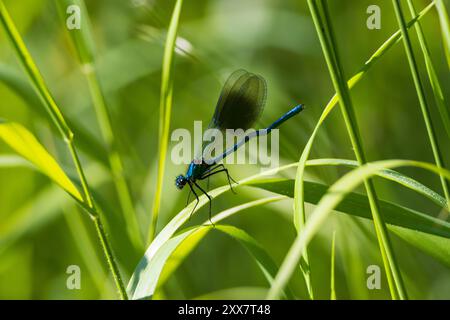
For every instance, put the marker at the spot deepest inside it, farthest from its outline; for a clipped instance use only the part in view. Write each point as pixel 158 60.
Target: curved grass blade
pixel 21 140
pixel 171 228
pixel 25 144
pixel 147 274
pixel 55 113
pixel 416 228
pixel 380 52
pixel 328 203
pixel 299 210
pixel 426 223
pixel 322 21
pixel 388 175
pixel 261 257
pixel 357 205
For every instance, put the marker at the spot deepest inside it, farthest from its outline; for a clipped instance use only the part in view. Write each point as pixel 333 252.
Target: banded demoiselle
pixel 240 104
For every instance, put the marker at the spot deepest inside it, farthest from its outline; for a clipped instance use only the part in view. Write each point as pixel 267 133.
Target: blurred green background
pixel 42 230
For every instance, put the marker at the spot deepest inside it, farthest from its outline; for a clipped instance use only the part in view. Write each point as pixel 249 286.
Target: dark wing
pixel 241 101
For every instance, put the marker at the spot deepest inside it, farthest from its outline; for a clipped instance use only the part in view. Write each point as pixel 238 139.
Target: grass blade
pixel 383 49
pixel 357 205
pixel 421 95
pixel 27 146
pixel 335 195
pixel 170 228
pixel 165 111
pixel 389 175
pixel 445 27
pixel 33 73
pixel 299 210
pixel 434 80
pixel 52 108
pixel 156 270
pixel 333 254
pixel 329 48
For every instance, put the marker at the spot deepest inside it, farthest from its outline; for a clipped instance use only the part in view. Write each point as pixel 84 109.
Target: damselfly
pixel 240 104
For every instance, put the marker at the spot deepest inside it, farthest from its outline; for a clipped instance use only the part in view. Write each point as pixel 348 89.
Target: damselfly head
pixel 180 181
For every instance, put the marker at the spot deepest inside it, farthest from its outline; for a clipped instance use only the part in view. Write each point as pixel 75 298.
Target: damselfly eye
pixel 180 181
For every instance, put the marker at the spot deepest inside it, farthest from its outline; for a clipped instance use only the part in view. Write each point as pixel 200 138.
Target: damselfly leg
pixel 221 168
pixel 209 198
pixel 197 199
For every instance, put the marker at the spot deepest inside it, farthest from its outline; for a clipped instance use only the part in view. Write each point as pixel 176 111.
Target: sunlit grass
pixel 175 234
pixel 58 119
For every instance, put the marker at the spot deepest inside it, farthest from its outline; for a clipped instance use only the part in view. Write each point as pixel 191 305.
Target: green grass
pixel 329 47
pixel 445 27
pixel 165 111
pixel 333 266
pixel 437 153
pixel 59 121
pixel 84 46
pixel 279 237
pixel 439 96
pixel 332 198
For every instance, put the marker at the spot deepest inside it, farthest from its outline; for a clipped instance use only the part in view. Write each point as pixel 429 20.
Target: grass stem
pixel 110 257
pixel 333 267
pixel 444 20
pixel 165 110
pixel 439 97
pixel 299 209
pixel 421 96
pixel 329 47
pixel 58 119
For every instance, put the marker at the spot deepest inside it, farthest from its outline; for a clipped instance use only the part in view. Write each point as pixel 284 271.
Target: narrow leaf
pixel 335 195
pixel 156 269
pixel 25 144
pixel 356 204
